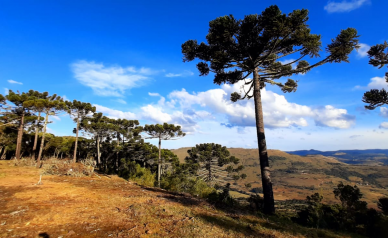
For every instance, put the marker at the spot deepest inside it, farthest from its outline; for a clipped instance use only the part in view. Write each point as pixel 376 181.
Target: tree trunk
pixel 42 141
pixel 269 203
pixel 98 150
pixel 160 144
pixel 76 140
pixel 210 171
pixel 4 155
pixel 20 136
pixel 36 137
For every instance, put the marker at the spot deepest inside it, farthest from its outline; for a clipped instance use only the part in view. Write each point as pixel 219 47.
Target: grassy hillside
pixel 295 177
pixel 101 206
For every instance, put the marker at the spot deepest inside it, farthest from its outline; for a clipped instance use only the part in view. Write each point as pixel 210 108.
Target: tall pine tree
pixel 253 46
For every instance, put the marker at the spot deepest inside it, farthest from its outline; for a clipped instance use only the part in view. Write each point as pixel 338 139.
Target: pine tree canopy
pixel 165 131
pixel 235 48
pixel 378 58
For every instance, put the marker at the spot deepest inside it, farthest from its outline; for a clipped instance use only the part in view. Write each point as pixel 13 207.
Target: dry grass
pixel 112 207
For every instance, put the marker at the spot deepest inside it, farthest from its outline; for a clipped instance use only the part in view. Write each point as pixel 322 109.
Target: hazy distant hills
pixel 366 157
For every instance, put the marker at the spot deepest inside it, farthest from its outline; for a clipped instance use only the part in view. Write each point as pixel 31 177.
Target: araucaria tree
pixel 78 111
pixel 52 105
pixel 23 103
pixel 163 132
pixel 214 163
pixel 377 58
pixel 236 49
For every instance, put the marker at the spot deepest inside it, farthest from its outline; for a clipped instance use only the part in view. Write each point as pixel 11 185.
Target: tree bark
pixel 160 144
pixel 76 140
pixel 98 150
pixel 3 156
pixel 269 203
pixel 210 171
pixel 36 137
pixel 20 136
pixel 42 141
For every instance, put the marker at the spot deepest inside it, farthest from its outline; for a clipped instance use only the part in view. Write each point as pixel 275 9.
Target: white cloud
pixel 333 117
pixel 184 74
pixel 344 6
pixel 56 118
pixel 14 82
pixel 155 114
pixel 287 61
pixel 122 101
pixel 363 50
pixel 112 113
pixel 65 98
pixel 171 75
pixel 154 94
pixel 375 83
pixel 384 125
pixel 277 111
pixel 6 91
pixel 384 112
pixel 109 81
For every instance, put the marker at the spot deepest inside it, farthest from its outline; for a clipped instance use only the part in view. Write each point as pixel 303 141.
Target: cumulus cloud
pixel 344 6
pixel 14 82
pixel 187 118
pixel 375 83
pixel 112 113
pixel 6 91
pixel 333 117
pixel 109 81
pixel 277 111
pixel 384 112
pixel 183 74
pixel 384 125
pixel 363 50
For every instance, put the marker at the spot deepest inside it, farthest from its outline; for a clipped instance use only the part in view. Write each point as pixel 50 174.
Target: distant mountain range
pixel 366 157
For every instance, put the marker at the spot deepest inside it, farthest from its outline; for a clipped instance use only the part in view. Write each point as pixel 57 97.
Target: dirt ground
pixel 102 206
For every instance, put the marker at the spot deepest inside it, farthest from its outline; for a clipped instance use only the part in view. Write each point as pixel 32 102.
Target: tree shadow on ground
pixel 246 229
pixel 182 198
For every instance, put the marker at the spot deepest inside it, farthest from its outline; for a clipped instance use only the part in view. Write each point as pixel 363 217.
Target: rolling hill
pixel 295 176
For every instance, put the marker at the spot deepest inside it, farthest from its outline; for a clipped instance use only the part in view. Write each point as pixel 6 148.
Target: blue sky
pixel 125 58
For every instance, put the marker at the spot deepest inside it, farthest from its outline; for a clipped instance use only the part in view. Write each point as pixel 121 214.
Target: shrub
pixel 256 202
pixel 133 171
pixel 178 182
pixel 66 167
pixel 383 205
pixel 223 198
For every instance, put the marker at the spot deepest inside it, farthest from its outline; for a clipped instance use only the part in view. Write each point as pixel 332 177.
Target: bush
pixel 178 182
pixel 66 167
pixel 143 176
pixel 351 215
pixel 223 198
pixel 256 202
pixel 133 171
pixel 382 204
pixel 257 190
